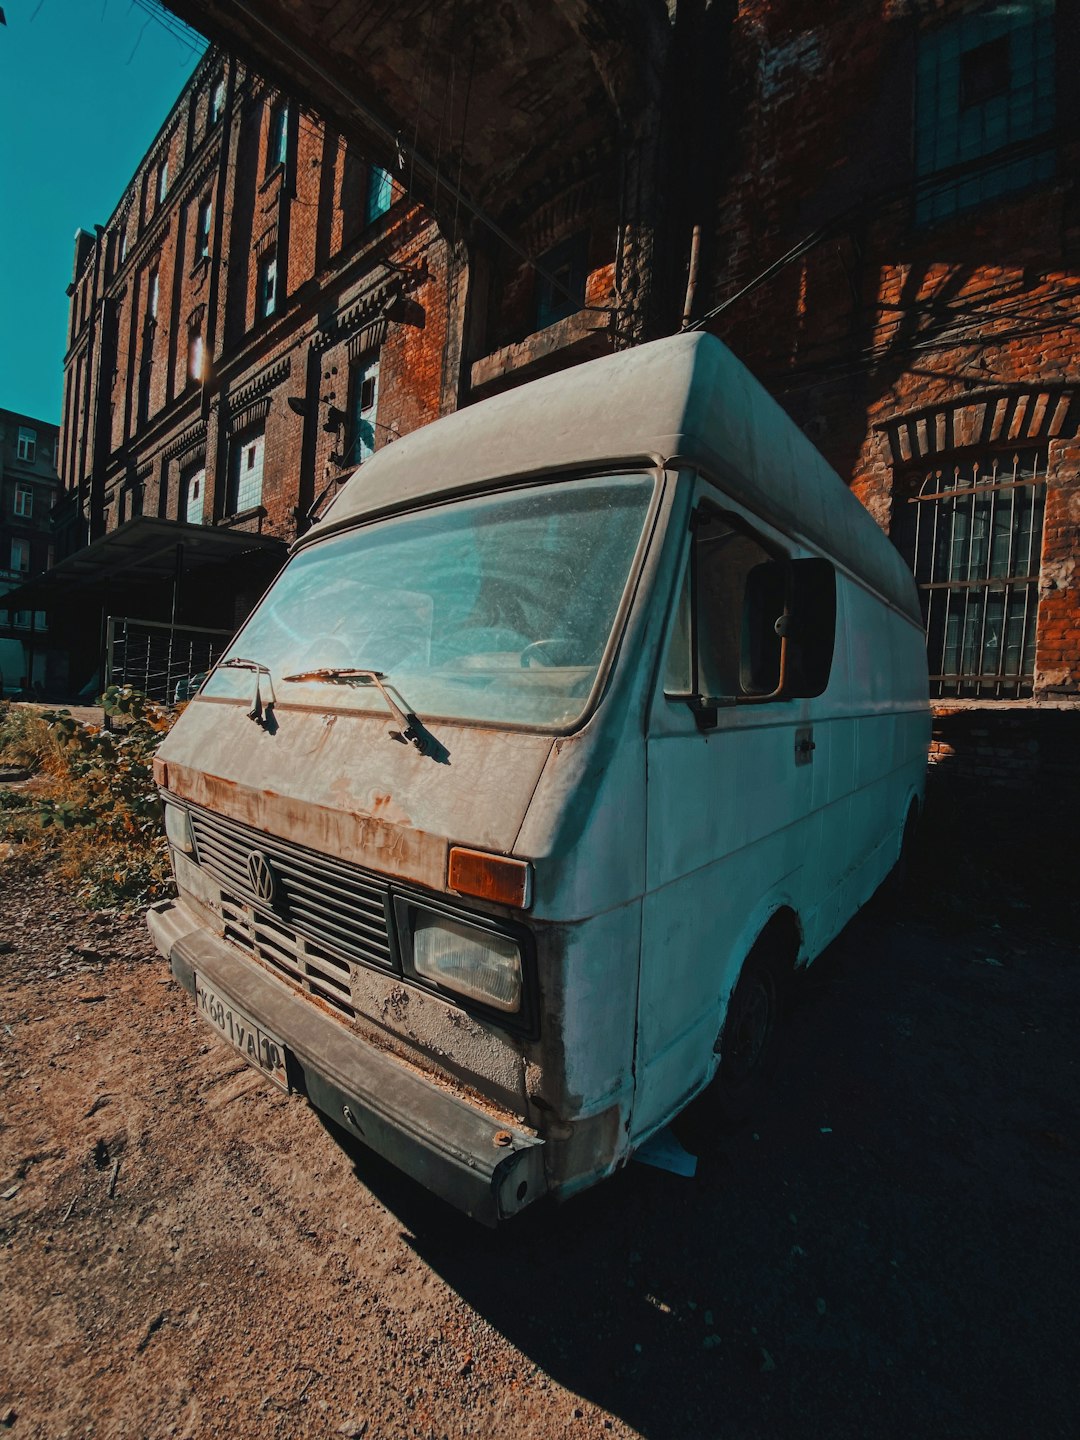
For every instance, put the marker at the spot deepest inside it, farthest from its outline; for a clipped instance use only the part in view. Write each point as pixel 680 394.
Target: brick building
pixel 262 309
pixel 28 490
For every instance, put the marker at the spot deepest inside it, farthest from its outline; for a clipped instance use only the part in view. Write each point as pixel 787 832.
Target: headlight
pixel 480 964
pixel 178 828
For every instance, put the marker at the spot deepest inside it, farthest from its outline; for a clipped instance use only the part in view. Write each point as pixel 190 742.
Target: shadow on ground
pixel 890 1253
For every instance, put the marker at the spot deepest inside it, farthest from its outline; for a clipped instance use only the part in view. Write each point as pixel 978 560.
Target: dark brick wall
pixel 900 345
pixel 1033 753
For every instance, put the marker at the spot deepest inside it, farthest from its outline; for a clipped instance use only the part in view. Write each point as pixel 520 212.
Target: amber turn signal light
pixel 161 773
pixel 490 877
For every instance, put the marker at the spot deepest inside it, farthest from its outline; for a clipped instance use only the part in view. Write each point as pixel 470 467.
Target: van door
pixel 729 804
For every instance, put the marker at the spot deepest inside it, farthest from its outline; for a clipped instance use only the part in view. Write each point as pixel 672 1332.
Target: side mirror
pixel 789 628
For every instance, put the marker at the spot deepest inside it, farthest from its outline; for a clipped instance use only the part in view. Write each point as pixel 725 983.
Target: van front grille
pixel 323 913
pixel 297 958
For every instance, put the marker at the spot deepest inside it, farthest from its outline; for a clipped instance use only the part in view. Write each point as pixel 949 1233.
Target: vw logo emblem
pixel 262 877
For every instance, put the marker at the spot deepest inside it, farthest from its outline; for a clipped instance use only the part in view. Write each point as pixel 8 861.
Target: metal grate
pixel 973 537
pixel 325 914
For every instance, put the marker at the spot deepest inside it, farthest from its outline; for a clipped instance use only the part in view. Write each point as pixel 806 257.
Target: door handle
pixel 804 746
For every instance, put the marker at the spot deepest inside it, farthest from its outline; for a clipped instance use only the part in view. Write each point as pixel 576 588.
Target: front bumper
pixel 425 1130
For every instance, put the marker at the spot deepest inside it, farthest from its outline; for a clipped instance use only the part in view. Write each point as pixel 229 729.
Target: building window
pixel 217 101
pixel 20 556
pixel 202 229
pixel 162 181
pixel 568 265
pixel 972 533
pixel 145 373
pixel 266 286
pixel 363 403
pixel 152 295
pixel 123 243
pixel 380 194
pixel 24 501
pixel 193 485
pixel 984 85
pixel 26 448
pixel 196 356
pixel 277 147
pixel 245 480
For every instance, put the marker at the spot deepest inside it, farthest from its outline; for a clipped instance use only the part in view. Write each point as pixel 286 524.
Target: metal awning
pixel 142 550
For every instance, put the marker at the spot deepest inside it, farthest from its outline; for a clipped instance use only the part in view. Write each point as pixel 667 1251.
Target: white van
pixel 586 716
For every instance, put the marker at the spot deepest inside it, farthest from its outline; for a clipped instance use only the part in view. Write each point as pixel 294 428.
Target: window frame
pixel 956 135
pixel 19 544
pixel 204 224
pixel 26 445
pixel 662 484
pixel 550 306
pixel 24 502
pixel 266 278
pixel 194 474
pixel 378 182
pixel 796 661
pixel 364 370
pixel 277 137
pixel 196 364
pixel 255 435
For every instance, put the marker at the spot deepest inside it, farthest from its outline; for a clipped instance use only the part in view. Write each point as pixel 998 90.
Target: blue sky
pixel 84 87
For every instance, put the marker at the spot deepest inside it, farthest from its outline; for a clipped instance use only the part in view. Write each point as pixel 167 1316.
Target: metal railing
pixel 156 657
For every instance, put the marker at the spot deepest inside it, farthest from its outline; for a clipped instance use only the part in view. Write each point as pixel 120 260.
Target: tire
pixel 749 1043
pixel 894 886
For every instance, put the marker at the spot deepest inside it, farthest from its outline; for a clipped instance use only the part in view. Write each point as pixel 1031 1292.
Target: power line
pixel 177 28
pixel 894 194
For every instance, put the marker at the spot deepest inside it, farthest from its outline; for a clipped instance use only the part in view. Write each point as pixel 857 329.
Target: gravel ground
pixel 892 1252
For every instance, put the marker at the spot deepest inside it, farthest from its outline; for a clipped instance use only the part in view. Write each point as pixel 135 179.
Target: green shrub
pixel 93 812
pixel 25 741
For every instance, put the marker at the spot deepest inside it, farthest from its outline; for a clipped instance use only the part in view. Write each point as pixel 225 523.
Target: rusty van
pixel 585 717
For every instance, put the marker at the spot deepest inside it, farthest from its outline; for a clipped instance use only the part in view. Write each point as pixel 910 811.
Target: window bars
pixel 973 536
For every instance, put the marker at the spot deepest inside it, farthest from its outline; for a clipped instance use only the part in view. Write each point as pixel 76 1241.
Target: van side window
pixel 737 644
pixel 750 625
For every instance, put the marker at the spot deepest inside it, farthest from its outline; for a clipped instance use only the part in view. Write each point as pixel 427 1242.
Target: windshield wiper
pixel 260 712
pixel 413 730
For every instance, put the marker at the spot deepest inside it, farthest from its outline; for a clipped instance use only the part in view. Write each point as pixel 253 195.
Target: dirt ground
pixel 891 1252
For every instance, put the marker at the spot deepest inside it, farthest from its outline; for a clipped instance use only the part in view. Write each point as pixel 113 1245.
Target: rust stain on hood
pixel 338 784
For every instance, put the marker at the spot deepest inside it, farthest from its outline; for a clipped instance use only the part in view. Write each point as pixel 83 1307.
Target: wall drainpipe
pixel 691 278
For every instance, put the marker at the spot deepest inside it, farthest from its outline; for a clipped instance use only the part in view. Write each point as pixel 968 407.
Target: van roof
pixel 685 399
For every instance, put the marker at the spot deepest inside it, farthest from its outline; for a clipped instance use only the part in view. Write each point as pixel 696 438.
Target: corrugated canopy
pixel 141 550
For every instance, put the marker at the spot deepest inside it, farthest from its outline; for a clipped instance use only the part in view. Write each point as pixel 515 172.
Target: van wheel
pixel 895 884
pixel 749 1041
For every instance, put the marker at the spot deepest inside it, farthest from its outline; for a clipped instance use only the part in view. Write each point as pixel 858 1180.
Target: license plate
pixel 258 1046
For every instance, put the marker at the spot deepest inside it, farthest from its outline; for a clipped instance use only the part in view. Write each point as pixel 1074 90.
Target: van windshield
pixel 496 608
